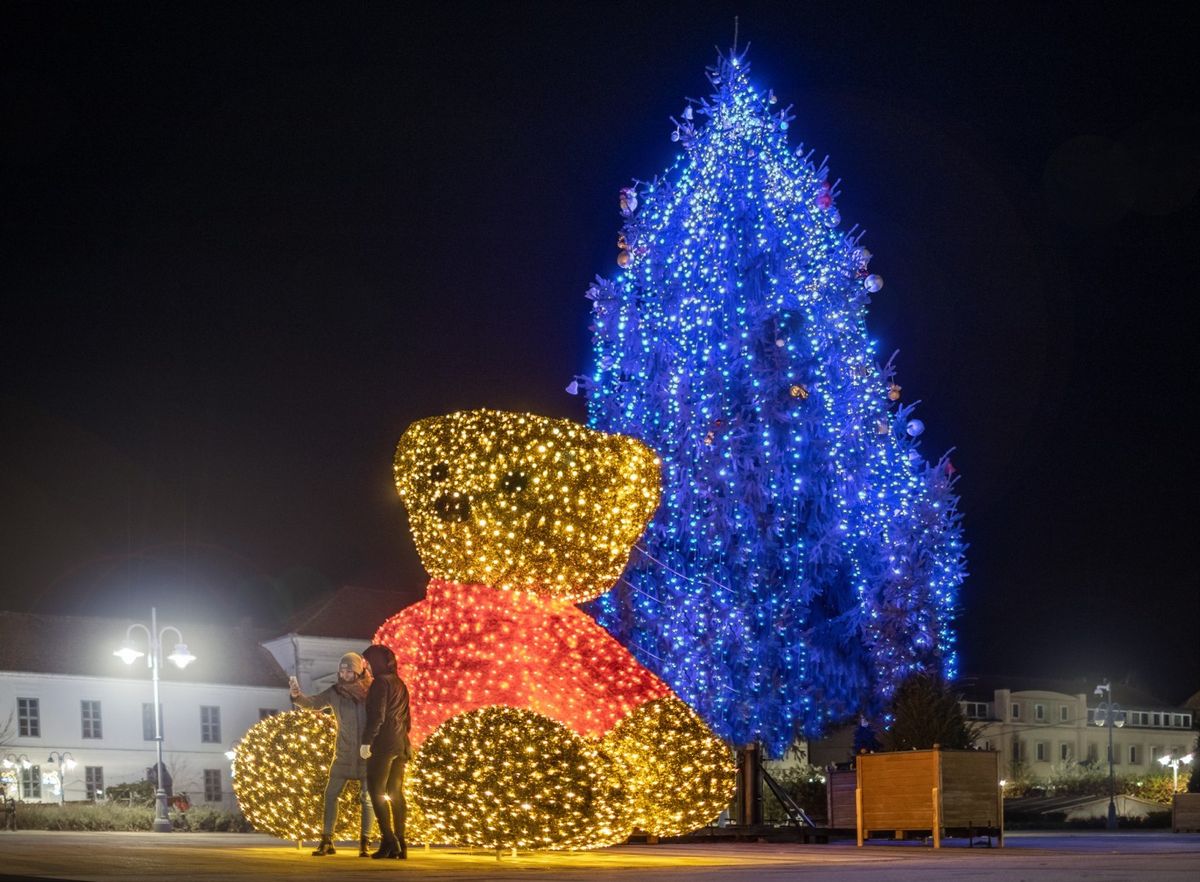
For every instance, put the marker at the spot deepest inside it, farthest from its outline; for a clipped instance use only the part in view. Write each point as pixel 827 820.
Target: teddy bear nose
pixel 452 508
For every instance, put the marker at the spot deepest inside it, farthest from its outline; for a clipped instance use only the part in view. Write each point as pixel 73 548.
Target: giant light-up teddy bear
pixel 533 727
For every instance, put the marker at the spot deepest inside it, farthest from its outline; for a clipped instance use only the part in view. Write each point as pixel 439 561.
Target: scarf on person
pixel 356 691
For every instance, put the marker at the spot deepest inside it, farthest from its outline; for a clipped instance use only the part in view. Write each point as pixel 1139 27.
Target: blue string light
pixel 806 558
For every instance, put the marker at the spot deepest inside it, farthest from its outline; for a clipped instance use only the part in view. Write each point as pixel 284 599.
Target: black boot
pixel 386 850
pixel 403 852
pixel 362 846
pixel 324 848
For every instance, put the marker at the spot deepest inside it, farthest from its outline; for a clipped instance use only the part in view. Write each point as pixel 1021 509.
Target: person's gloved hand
pixel 365 751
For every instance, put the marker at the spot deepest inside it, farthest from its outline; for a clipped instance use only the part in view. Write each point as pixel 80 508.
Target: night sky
pixel 246 245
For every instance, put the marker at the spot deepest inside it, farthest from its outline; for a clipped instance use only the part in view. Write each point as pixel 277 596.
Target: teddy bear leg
pixel 506 778
pixel 679 774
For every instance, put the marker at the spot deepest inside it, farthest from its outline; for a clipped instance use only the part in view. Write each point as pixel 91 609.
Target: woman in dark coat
pixel 347 698
pixel 386 748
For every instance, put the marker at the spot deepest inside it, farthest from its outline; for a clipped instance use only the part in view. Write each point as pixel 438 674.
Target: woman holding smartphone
pixel 347 698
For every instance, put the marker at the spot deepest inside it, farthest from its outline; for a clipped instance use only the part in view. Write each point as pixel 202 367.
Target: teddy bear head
pixel 524 502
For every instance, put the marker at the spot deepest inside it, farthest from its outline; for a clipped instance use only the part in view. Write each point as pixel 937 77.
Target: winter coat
pixel 351 719
pixel 388 719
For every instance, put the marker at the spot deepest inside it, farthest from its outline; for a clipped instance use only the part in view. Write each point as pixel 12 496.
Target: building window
pixel 1134 756
pixel 148 720
pixel 1064 752
pixel 975 710
pixel 210 724
pixel 264 712
pixel 1187 721
pixel 1091 715
pixel 1040 752
pixel 212 785
pixel 1039 712
pixel 1018 751
pixel 90 713
pixel 29 718
pixel 1016 711
pixel 1139 718
pixel 1157 720
pixel 1092 753
pixel 1062 712
pixel 31 782
pixel 93 780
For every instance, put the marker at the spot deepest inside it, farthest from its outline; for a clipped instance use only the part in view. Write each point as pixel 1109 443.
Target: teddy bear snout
pixel 453 508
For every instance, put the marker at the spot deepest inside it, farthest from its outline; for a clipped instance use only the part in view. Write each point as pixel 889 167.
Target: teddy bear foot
pixel 502 777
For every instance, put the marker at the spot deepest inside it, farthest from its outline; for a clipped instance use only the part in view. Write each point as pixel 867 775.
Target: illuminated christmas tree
pixel 806 557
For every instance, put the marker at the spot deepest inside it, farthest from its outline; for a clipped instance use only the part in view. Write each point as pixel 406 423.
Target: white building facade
pixel 63 694
pixel 1042 728
pixel 107 727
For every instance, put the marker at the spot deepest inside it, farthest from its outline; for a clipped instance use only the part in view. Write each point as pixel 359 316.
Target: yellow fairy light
pixel 679 774
pixel 501 777
pixel 280 768
pixel 524 502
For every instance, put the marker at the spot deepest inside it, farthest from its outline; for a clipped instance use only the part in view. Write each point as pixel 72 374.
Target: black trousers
pixel 385 781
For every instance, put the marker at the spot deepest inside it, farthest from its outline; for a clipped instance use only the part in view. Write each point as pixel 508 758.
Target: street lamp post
pixel 128 653
pixel 65 762
pixel 20 763
pixel 1109 714
pixel 1173 764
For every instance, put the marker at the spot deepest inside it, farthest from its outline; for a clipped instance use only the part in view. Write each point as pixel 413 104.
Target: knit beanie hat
pixel 354 662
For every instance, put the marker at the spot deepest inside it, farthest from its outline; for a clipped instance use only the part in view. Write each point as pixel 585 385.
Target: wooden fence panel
pixel 970 788
pixel 840 784
pixel 897 789
pixel 1185 817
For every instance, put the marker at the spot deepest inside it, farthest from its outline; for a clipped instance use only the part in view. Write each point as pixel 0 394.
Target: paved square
pixel 216 857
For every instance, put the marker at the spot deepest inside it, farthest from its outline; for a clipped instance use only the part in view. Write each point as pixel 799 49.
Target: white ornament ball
pixel 915 427
pixel 873 283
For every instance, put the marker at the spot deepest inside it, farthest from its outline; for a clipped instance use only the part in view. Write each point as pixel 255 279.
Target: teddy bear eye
pixel 513 482
pixel 439 472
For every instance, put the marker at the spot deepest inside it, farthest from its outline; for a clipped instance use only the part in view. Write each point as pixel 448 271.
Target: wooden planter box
pixel 1185 813
pixel 932 790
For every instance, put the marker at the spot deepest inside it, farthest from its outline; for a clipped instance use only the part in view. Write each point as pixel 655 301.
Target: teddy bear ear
pixel 641 474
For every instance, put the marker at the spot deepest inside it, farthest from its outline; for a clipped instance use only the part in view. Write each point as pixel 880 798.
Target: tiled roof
pixel 982 688
pixel 348 612
pixel 83 645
